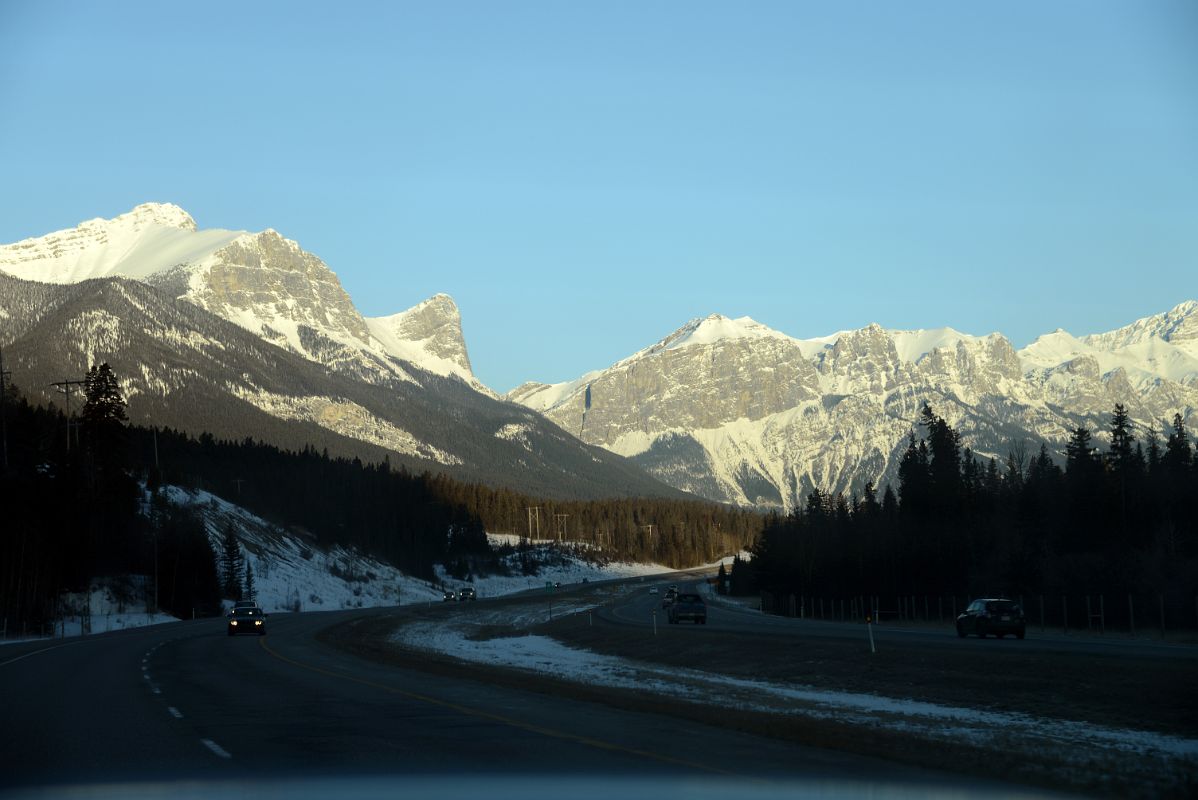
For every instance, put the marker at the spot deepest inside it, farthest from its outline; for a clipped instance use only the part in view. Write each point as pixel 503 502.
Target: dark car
pixel 449 596
pixel 690 607
pixel 992 616
pixel 247 620
pixel 466 593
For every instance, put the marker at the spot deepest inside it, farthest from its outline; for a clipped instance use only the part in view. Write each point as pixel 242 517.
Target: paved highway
pixel 183 701
pixel 639 608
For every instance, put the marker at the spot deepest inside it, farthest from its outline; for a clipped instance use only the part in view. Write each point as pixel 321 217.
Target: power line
pixel 3 409
pixel 64 386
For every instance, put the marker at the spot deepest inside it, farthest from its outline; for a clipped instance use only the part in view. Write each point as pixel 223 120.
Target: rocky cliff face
pixel 736 412
pixel 429 334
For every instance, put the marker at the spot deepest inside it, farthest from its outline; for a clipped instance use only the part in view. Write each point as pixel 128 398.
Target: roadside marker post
pixel 654 612
pixel 869 625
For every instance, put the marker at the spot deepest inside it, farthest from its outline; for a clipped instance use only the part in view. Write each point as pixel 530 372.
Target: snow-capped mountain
pixel 247 335
pixel 263 282
pixel 732 410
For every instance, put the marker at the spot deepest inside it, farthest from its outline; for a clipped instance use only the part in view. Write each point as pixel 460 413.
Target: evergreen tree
pixel 102 419
pixel 1177 448
pixel 230 564
pixel 249 593
pixel 1079 453
pixel 1122 451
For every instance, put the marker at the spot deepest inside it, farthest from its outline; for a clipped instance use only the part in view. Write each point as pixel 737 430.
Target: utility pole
pixel 534 512
pixel 65 386
pixel 561 525
pixel 3 415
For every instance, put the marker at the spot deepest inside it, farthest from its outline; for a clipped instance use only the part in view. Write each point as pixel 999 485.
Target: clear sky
pixel 584 177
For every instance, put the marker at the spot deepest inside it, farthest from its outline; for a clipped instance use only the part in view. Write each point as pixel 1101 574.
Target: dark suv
pixel 995 616
pixel 688 606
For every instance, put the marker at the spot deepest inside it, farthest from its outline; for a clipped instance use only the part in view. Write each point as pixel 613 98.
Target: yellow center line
pixel 515 723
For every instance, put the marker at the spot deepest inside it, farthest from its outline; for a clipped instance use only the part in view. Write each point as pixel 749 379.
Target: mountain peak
pixel 429 334
pixel 166 214
pixel 717 328
pixel 1178 325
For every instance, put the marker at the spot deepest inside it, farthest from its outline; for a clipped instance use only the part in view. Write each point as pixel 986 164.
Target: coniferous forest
pixel 79 502
pixel 1114 522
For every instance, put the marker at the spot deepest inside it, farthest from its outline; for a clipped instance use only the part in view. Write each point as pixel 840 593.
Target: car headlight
pixel 257 622
pixel 234 622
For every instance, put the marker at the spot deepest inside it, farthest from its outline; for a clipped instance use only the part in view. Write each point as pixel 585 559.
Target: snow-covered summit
pixel 151 237
pixel 428 334
pixel 1178 326
pixel 718 328
pixel 262 281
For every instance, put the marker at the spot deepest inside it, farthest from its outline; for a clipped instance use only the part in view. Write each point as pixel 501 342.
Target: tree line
pixel 674 532
pixel 80 499
pixel 1115 520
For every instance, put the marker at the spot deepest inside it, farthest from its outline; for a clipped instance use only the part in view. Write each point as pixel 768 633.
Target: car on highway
pixel 992 616
pixel 247 620
pixel 652 590
pixel 466 593
pixel 688 606
pixel 449 596
pixel 245 604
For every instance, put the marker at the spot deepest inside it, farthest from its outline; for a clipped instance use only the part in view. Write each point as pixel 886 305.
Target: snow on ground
pixel 1075 741
pixel 292 574
pixel 109 605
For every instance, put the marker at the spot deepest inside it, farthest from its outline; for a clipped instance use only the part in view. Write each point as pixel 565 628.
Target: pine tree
pixel 230 563
pixel 1177 448
pixel 250 593
pixel 103 418
pixel 1122 451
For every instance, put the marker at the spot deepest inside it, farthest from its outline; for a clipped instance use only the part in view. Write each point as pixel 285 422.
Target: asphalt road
pixel 644 609
pixel 183 702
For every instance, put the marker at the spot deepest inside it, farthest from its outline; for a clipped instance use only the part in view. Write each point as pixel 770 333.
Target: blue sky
pixel 583 178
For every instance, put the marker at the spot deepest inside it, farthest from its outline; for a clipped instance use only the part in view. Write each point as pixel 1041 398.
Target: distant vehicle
pixel 557 584
pixel 690 607
pixel 466 593
pixel 245 604
pixel 652 590
pixel 449 596
pixel 247 620
pixel 992 616
pixel 668 600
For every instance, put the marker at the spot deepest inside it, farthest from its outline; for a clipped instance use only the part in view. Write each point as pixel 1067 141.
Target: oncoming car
pixel 247 620
pixel 997 616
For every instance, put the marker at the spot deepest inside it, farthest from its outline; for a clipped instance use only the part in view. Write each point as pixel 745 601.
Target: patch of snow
pixel 545 655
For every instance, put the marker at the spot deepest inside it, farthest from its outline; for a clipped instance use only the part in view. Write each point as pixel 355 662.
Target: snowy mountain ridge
pixel 735 411
pixel 262 281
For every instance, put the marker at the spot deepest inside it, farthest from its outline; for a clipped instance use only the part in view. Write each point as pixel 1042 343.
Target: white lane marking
pixel 216 748
pixel 176 713
pixel 35 652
